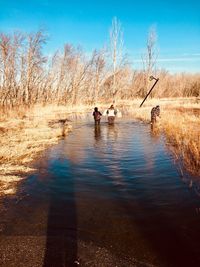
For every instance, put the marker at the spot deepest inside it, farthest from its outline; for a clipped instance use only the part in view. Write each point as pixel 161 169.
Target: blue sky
pixel 87 23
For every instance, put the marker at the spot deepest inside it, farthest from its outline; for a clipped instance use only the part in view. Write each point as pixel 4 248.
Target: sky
pixel 87 23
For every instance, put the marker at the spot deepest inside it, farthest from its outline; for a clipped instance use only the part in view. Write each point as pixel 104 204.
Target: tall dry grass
pixel 25 133
pixel 23 136
pixel 180 121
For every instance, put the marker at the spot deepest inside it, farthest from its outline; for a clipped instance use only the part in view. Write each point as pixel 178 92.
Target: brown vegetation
pixel 27 133
pixel 180 121
pixel 24 137
pixel 29 79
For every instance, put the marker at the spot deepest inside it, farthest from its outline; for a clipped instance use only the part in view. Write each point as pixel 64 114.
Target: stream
pixel 108 195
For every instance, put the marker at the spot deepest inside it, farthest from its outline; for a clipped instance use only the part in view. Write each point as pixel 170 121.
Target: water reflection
pixel 112 132
pixel 115 186
pixel 115 147
pixel 97 132
pixel 155 132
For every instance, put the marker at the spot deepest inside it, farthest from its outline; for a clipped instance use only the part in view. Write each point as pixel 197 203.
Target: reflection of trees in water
pixel 75 154
pixel 76 151
pixel 110 133
pixel 111 148
pixel 115 168
pixel 112 136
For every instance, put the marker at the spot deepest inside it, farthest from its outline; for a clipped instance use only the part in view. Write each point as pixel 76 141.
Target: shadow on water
pixel 61 242
pixel 173 245
pixel 163 234
pixel 115 187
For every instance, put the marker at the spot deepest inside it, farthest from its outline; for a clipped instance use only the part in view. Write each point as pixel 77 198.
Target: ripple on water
pixel 120 189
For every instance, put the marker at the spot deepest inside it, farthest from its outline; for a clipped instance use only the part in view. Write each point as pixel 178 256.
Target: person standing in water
pixel 155 113
pixel 111 112
pixel 97 115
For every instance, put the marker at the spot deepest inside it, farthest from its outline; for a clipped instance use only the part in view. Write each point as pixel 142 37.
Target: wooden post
pixel 156 80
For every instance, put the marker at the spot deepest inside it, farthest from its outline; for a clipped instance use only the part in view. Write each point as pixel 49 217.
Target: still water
pixel 114 187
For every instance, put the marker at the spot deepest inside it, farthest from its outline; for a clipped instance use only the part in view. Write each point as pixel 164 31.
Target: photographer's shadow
pixel 61 242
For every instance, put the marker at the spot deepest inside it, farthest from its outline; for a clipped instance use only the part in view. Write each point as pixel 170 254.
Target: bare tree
pixel 9 67
pixel 34 61
pixel 97 74
pixel 116 51
pixel 149 58
pixel 71 77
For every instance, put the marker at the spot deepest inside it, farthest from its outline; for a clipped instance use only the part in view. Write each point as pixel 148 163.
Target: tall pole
pixel 150 78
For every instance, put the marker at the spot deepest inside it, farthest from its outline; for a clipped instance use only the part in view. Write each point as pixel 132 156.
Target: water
pixel 114 188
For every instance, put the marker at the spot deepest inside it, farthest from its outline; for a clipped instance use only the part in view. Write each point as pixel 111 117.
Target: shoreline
pixel 24 137
pixel 180 122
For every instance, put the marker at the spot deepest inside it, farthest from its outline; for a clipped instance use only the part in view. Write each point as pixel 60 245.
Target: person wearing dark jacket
pixel 97 115
pixel 155 112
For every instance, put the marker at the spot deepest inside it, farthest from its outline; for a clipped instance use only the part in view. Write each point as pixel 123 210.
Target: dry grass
pixel 23 136
pixel 180 120
pixel 25 133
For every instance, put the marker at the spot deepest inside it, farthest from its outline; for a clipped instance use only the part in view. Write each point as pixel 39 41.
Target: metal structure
pixel 150 78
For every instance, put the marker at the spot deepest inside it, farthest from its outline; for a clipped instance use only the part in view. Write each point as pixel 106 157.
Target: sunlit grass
pixel 24 133
pixel 180 121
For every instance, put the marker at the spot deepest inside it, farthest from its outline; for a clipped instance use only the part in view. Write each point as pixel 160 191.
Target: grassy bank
pixel 24 135
pixel 180 121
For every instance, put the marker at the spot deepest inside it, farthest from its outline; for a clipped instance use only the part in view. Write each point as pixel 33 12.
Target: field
pixel 26 133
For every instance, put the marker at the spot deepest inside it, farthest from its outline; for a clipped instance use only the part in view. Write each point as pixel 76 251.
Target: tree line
pixel 28 76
